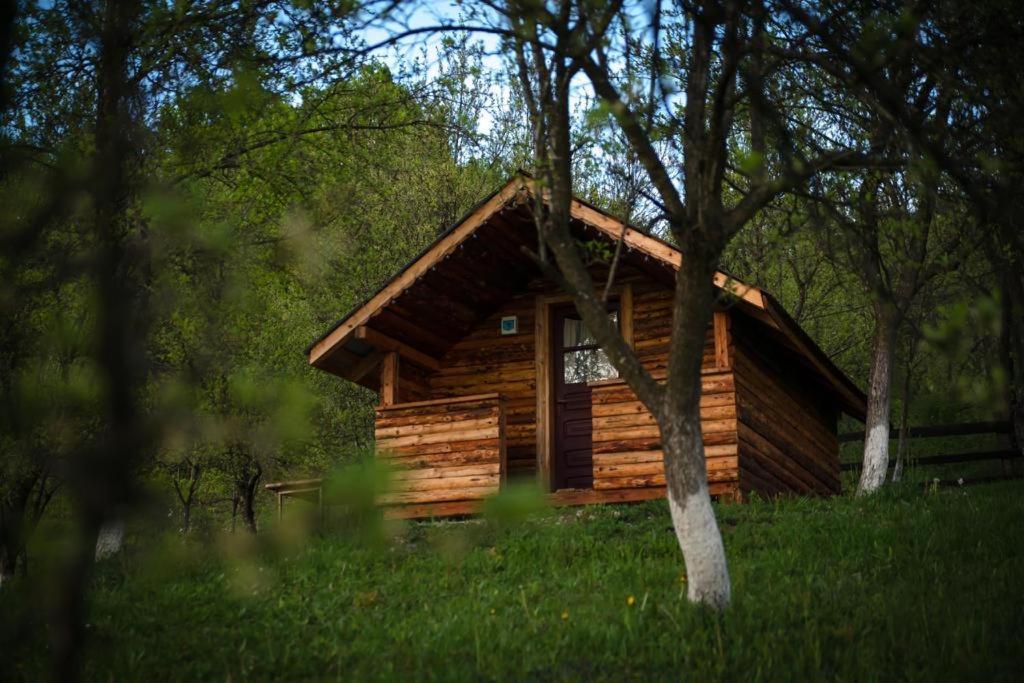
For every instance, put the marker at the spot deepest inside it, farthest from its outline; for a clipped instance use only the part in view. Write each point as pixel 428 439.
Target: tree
pixel 709 181
pixel 277 239
pixel 36 411
pixel 186 475
pixel 894 233
pixel 954 56
pixel 77 102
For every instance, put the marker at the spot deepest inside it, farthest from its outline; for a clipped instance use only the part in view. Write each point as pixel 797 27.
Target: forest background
pixel 281 166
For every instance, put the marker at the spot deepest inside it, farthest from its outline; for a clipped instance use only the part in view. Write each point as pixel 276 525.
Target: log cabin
pixel 486 374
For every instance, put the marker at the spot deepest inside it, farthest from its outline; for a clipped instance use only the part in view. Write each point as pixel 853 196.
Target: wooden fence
pixel 1011 457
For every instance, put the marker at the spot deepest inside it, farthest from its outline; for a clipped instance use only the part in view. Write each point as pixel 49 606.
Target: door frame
pixel 545 437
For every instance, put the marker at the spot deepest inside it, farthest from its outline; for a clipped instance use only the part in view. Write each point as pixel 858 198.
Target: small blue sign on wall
pixel 510 325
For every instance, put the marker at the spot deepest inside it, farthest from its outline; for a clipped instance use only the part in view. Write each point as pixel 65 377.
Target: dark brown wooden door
pixel 577 360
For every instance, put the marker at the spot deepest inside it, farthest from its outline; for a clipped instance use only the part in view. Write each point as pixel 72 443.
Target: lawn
pixel 907 585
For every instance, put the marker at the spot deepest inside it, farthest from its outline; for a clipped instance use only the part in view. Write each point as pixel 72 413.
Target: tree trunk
pixel 901 445
pixel 67 625
pixel 110 539
pixel 9 547
pixel 246 489
pixel 876 442
pixel 693 518
pixel 13 523
pixel 8 560
pixel 697 531
pixel 676 407
pixel 187 495
pixel 1012 300
pixel 103 477
pixel 249 512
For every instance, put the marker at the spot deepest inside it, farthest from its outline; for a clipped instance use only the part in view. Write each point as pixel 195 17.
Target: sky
pixel 424 47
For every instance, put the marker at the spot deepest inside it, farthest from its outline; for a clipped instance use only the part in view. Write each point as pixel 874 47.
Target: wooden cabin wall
pixel 626 449
pixel 447 454
pixel 627 445
pixel 765 428
pixel 787 428
pixel 486 361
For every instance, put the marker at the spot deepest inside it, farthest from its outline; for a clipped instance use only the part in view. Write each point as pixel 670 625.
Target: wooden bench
pixel 305 489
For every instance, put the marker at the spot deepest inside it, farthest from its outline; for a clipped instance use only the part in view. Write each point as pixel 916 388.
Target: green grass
pixel 901 586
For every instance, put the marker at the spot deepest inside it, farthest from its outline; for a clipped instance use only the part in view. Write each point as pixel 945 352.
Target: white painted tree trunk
pixel 876 439
pixel 707 572
pixel 110 539
pixel 897 470
pixel 901 444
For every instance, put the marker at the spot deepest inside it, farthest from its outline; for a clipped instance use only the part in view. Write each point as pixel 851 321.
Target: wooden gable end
pixel 479 271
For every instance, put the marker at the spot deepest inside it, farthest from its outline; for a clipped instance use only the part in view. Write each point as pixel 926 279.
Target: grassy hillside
pixel 903 586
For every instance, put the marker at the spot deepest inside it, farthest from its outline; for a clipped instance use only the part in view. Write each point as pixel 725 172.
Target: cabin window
pixel 582 359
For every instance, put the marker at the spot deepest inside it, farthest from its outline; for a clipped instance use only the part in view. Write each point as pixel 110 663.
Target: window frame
pixel 614 306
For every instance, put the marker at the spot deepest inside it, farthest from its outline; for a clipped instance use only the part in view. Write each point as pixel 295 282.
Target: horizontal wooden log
pixel 449 459
pixel 962 429
pixel 443 447
pixel 623 469
pixel 651 431
pixel 628 469
pixel 616 391
pixel 770 484
pixel 385 434
pixel 482 368
pixel 635 419
pixel 946 459
pixel 436 417
pixel 751 481
pixel 627 457
pixel 462 507
pixel 494 375
pixel 627 407
pixel 451 406
pixel 503 387
pixel 439 437
pixel 436 496
pixel 643 481
pixel 783 469
pixel 448 471
pixel 567 497
pixel 757 392
pixel 770 425
pixel 654 443
pixel 802 413
pixel 283 486
pixel 814 474
pixel 445 482
pixel 489 396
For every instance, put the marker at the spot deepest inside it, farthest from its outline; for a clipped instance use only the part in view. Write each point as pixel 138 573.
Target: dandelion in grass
pixel 565 615
pixel 631 601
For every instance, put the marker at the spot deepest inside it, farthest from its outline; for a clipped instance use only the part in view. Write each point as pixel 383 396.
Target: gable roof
pixel 350 336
